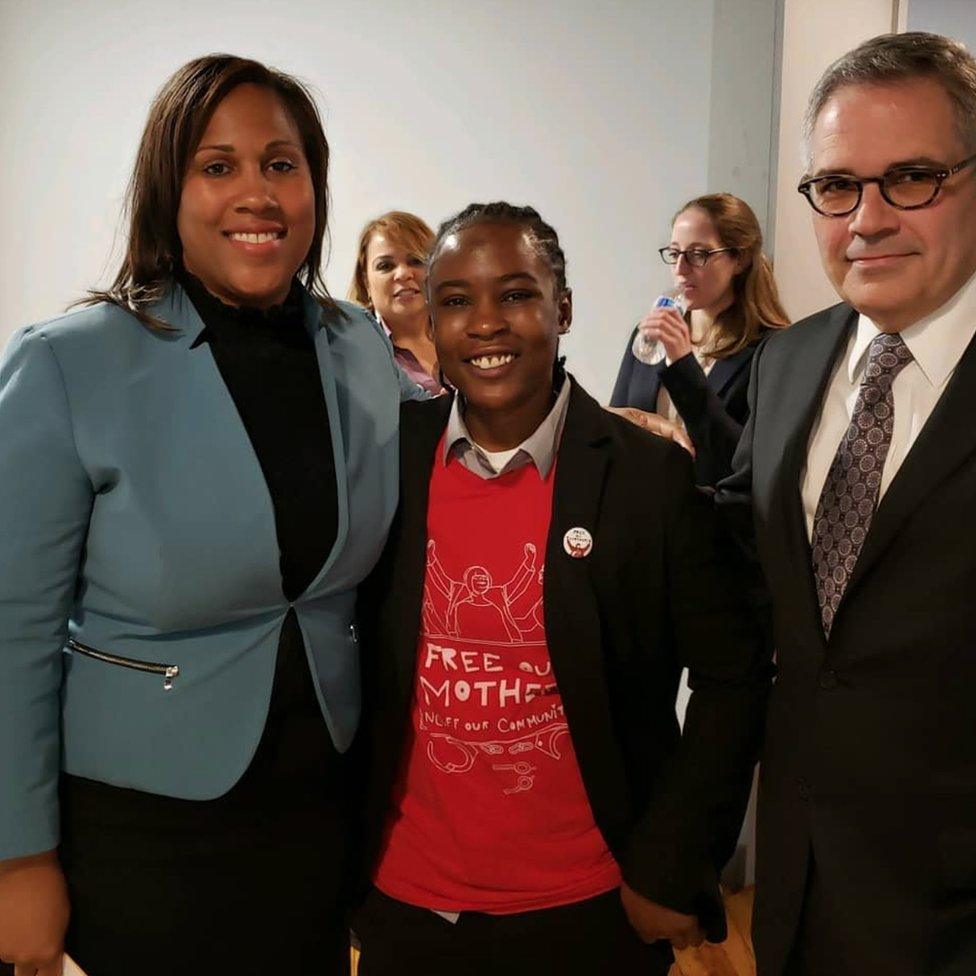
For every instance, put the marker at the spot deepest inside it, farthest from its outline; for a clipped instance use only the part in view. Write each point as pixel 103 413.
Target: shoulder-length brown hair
pixel 405 230
pixel 755 304
pixel 178 116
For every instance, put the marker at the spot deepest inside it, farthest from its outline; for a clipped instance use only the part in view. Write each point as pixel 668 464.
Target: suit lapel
pixel 946 440
pixel 572 619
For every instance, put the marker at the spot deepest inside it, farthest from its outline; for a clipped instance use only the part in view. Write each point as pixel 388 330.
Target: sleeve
pixel 408 389
pixel 619 397
pixel 45 505
pixel 713 431
pixel 693 820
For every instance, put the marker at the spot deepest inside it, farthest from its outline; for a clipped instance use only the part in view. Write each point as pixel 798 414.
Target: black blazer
pixel 713 407
pixel 656 593
pixel 869 761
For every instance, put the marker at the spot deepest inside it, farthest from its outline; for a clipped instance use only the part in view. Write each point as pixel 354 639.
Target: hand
pixel 656 424
pixel 667 325
pixel 528 549
pixel 33 914
pixel 652 921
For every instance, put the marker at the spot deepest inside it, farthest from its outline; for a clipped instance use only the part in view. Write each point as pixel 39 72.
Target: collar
pixel 936 342
pixel 539 447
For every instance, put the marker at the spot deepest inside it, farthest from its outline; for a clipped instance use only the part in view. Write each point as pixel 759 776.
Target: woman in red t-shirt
pixel 534 806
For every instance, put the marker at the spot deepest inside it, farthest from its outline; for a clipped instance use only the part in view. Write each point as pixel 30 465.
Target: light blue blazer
pixel 140 592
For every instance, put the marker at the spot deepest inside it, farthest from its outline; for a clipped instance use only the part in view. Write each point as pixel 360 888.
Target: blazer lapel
pixel 726 370
pixel 421 427
pixel 946 440
pixel 315 323
pixel 653 374
pixel 573 631
pixel 225 487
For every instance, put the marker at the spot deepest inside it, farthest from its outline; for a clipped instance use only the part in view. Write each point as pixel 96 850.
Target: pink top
pixel 409 363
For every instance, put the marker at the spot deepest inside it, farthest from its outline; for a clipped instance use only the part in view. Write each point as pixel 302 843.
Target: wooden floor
pixel 734 957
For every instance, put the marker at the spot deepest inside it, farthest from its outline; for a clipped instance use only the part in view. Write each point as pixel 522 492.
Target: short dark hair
pixel 544 237
pixel 178 117
pixel 892 58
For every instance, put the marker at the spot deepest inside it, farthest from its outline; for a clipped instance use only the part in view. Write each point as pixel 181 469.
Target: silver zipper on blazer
pixel 169 671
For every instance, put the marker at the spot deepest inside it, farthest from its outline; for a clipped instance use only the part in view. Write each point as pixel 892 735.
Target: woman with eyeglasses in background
pixel 727 287
pixel 391 268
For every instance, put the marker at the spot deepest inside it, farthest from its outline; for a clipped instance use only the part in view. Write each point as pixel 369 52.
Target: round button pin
pixel 578 543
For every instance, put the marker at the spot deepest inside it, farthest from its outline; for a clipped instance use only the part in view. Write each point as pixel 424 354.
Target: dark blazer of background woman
pixel 712 407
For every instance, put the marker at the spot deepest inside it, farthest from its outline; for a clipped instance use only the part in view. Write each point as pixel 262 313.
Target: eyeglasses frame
pixel 941 175
pixel 708 253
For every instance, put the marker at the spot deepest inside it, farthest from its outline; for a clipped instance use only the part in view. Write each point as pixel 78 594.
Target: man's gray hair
pixel 892 58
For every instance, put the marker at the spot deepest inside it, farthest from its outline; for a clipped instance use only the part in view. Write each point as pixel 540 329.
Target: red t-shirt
pixel 491 812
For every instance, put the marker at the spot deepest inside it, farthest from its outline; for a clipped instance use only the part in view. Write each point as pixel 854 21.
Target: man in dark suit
pixel 858 467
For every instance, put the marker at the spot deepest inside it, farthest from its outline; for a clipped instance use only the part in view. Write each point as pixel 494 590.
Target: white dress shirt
pixel 936 343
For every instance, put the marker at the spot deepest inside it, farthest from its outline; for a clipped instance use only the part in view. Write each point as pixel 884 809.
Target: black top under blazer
pixel 869 763
pixel 713 408
pixel 657 593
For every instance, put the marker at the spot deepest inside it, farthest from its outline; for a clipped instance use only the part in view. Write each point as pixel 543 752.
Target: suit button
pixel 803 788
pixel 828 679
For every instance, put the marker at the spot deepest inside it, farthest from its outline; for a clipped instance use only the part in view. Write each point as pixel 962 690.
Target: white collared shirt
pixel 936 343
pixel 539 448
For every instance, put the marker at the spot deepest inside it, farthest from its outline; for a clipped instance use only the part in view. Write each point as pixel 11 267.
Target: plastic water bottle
pixel 652 351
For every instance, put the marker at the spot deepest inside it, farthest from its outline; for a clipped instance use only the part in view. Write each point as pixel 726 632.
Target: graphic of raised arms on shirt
pixel 475 605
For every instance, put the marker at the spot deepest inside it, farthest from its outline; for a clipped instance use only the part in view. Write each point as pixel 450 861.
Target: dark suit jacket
pixel 656 593
pixel 713 407
pixel 870 754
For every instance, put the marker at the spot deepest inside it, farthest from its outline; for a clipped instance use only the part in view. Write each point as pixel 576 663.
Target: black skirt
pixel 253 882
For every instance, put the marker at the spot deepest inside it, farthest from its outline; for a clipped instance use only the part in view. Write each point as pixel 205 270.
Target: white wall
pixel 743 102
pixel 953 18
pixel 815 33
pixel 600 114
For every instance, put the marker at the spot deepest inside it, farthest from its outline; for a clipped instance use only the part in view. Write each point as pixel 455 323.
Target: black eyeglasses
pixel 904 187
pixel 697 257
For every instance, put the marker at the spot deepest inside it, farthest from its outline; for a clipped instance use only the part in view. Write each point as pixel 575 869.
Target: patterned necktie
pixel 850 493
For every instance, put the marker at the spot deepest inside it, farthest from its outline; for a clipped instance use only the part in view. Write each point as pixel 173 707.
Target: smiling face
pixel 496 321
pixel 478 579
pixel 247 209
pixel 895 266
pixel 395 278
pixel 708 288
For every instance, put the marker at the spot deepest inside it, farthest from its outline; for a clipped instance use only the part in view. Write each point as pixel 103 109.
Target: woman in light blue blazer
pixel 198 470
